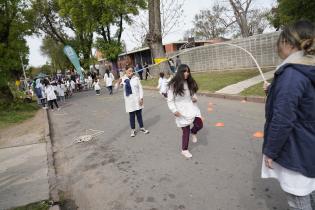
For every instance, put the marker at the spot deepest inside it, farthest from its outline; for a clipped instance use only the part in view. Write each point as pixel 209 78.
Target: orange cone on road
pixel 219 124
pixel 258 134
pixel 210 109
pixel 210 104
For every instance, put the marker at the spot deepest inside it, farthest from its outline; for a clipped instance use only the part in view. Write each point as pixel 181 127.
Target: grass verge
pixel 213 81
pixel 255 90
pixel 42 205
pixel 16 112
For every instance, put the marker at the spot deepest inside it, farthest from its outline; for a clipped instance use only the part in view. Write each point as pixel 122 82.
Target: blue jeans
pixel 132 118
pixel 301 202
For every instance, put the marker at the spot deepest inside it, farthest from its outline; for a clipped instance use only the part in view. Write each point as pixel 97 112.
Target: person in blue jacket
pixel 289 141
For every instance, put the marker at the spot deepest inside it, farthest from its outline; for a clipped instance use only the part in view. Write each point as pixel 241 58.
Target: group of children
pixel 180 92
pixel 108 79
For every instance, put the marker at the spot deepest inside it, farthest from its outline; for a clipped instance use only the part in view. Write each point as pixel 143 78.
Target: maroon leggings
pixel 186 132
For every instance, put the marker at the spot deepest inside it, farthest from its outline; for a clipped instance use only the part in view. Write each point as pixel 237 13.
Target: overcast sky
pixel 191 7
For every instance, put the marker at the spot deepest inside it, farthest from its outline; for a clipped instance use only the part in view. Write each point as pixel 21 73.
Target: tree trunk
pixel 154 38
pixel 240 15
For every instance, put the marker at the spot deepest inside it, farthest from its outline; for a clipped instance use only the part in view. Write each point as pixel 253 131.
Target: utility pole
pixel 25 82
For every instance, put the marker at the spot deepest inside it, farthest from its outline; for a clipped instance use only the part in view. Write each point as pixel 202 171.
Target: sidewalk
pixel 240 86
pixel 24 172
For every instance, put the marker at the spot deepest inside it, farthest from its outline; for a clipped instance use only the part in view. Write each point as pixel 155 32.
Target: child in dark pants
pixel 133 95
pixel 182 102
pixel 50 94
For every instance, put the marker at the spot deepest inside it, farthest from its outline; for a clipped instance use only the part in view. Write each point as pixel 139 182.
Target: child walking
pixel 61 88
pixel 50 94
pixel 162 85
pixel 97 87
pixel 109 78
pixel 133 95
pixel 181 101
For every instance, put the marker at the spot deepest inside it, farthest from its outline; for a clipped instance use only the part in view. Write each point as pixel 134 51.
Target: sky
pixel 191 7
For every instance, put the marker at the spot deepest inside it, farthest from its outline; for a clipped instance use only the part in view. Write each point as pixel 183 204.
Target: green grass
pixel 16 112
pixel 213 81
pixel 255 90
pixel 42 205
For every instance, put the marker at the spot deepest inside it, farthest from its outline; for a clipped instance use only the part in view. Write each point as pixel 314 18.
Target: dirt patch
pixel 28 132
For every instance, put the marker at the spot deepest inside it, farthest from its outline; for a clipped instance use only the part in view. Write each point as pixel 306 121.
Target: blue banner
pixel 71 54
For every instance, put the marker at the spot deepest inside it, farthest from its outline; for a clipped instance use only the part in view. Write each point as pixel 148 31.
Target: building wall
pixel 223 57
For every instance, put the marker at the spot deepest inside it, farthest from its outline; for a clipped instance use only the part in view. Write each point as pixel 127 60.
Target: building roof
pixel 135 51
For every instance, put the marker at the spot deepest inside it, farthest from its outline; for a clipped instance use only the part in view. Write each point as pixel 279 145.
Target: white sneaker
pixel 194 138
pixel 133 133
pixel 143 130
pixel 58 109
pixel 186 153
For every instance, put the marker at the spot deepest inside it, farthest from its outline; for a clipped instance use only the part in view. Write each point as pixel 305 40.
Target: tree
pixel 57 19
pixel 13 29
pixel 47 20
pixel 109 16
pixel 241 9
pixel 289 11
pixel 171 16
pixel 54 51
pixel 154 37
pixel 210 24
pixel 220 21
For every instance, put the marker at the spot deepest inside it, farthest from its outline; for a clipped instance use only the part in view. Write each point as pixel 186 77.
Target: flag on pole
pixel 71 54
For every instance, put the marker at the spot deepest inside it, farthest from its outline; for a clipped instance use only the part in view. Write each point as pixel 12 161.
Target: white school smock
pixel 109 79
pixel 60 90
pixel 132 101
pixel 290 181
pixel 183 105
pixel 49 92
pixel 96 86
pixel 163 85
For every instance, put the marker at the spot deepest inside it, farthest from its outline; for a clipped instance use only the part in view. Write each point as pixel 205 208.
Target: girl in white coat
pixel 162 85
pixel 109 78
pixel 133 95
pixel 50 94
pixel 181 101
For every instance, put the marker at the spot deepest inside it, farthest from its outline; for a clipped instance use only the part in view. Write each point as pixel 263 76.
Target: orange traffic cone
pixel 219 124
pixel 258 134
pixel 210 109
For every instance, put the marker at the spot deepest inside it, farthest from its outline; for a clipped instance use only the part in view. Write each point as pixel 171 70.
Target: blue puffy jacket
pixel 290 119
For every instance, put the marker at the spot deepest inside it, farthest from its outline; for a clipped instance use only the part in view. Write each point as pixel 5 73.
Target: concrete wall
pixel 223 57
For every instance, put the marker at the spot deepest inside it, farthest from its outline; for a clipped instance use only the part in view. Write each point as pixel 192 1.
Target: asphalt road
pixel 116 172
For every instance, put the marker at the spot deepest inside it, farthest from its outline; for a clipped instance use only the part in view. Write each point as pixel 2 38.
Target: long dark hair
pixel 107 72
pixel 179 79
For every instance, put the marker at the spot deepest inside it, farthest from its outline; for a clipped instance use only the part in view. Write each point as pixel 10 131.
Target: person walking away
pixel 72 86
pixel 139 69
pixel 147 71
pixel 182 101
pixel 38 91
pixel 289 136
pixel 162 85
pixel 109 78
pixel 97 87
pixel 50 94
pixel 133 96
pixel 90 82
pixel 61 91
pixel 172 65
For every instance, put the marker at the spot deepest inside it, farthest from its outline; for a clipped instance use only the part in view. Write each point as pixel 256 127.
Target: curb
pixel 52 180
pixel 254 99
